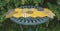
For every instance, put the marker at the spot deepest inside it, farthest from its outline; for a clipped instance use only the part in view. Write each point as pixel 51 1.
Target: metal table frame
pixel 30 25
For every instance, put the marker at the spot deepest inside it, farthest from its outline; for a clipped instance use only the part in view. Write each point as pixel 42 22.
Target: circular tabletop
pixel 30 20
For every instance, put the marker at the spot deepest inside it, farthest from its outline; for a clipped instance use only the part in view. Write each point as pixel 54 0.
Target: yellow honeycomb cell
pixel 17 15
pixel 49 13
pixel 18 10
pixel 25 9
pixel 38 14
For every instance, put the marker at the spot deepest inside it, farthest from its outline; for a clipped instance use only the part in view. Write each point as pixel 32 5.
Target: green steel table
pixel 29 23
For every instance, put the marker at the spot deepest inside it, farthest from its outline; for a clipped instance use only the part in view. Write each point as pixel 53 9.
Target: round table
pixel 32 24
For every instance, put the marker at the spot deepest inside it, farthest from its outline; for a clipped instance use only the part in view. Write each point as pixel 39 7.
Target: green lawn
pixel 10 26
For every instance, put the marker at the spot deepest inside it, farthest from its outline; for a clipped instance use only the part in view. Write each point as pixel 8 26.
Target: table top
pixel 35 17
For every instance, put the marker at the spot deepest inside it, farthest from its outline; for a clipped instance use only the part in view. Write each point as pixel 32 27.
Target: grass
pixel 10 26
